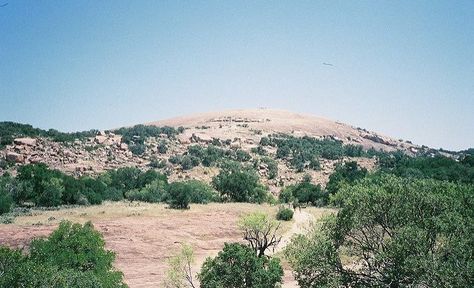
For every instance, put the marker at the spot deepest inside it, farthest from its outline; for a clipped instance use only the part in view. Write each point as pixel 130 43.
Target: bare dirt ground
pixel 145 235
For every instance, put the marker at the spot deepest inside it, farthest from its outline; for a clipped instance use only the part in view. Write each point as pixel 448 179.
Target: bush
pixel 113 194
pixel 79 248
pixel 154 192
pixel 304 192
pixel 238 266
pixel 52 192
pixel 179 195
pixel 137 149
pixel 239 185
pixel 285 214
pixel 157 163
pixel 348 173
pixel 6 199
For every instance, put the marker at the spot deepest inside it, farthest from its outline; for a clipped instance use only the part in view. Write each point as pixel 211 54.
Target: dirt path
pixel 302 221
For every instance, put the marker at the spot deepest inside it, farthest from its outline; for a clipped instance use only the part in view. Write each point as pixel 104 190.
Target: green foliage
pixel 300 151
pixel 137 149
pixel 304 192
pixel 353 150
pixel 207 156
pixel 6 199
pixel 391 232
pixel 128 178
pixel 438 167
pixel 347 173
pixel 162 147
pixel 179 273
pixel 261 232
pixel 158 164
pixel 239 184
pixel 136 136
pixel 285 214
pixel 154 192
pixel 52 192
pixel 12 130
pixel 272 167
pixel 238 266
pixel 199 192
pixel 242 156
pixel 139 133
pixel 259 150
pixel 72 256
pixel 179 195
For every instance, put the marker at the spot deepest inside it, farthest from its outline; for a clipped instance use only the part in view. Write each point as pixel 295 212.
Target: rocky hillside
pixel 236 135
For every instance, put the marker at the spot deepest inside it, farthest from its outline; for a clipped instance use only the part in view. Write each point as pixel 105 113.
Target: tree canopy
pixel 391 232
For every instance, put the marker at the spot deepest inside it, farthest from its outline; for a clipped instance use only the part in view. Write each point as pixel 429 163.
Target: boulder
pixel 124 146
pixel 25 141
pixel 14 157
pixel 99 139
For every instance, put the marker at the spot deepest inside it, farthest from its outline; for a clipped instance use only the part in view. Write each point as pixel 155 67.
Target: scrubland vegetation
pixel 409 223
pixel 11 130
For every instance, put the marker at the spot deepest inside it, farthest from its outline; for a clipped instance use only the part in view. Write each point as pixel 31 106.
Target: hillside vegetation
pixel 404 213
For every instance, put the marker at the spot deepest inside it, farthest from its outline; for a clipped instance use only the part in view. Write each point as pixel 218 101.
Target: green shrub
pixel 285 214
pixel 6 199
pixel 154 192
pixel 112 194
pixel 137 149
pixel 304 192
pixel 79 248
pixel 238 266
pixel 179 195
pixel 239 185
pixel 52 192
pixel 348 173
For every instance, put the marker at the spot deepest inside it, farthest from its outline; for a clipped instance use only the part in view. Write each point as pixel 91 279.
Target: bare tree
pixel 260 231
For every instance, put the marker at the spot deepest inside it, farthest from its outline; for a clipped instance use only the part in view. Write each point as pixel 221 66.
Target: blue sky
pixel 402 68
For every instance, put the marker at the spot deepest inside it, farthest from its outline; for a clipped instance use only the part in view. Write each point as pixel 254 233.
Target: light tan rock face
pixel 25 141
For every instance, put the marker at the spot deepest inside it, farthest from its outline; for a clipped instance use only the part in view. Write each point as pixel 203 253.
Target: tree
pixel 179 195
pixel 260 231
pixel 237 266
pixel 349 172
pixel 80 248
pixel 73 256
pixel 53 190
pixel 179 273
pixel 391 232
pixel 304 192
pixel 6 199
pixel 239 184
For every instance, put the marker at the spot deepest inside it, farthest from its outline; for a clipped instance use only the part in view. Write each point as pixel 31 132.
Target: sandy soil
pixel 145 235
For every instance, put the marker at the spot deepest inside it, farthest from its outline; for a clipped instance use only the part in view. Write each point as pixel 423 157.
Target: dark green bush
pixel 304 192
pixel 239 184
pixel 137 149
pixel 179 195
pixel 238 266
pixel 348 172
pixel 154 192
pixel 285 214
pixel 72 256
